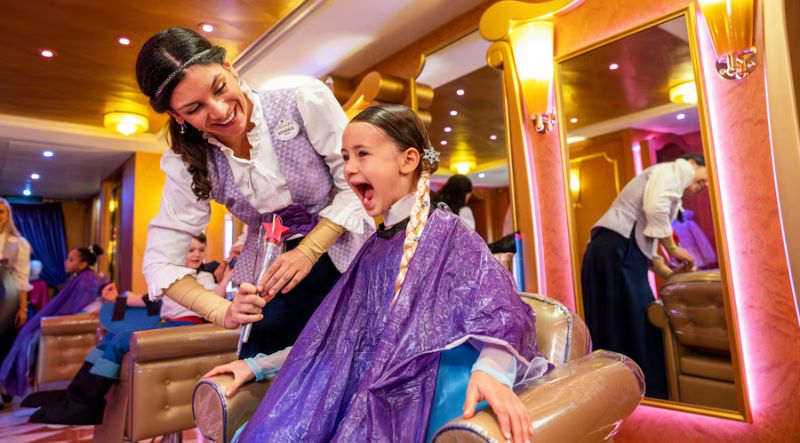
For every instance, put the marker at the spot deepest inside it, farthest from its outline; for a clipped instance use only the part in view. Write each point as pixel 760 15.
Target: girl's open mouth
pixel 365 192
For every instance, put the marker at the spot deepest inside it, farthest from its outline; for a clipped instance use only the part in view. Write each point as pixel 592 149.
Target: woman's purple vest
pixel 307 176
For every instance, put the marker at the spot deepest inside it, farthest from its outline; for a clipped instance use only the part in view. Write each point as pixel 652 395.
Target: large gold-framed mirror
pixel 639 166
pixel 467 126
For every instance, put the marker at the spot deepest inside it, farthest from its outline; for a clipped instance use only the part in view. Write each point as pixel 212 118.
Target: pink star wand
pixel 270 246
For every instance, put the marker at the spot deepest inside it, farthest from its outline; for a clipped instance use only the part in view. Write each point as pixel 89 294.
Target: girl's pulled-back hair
pixel 89 255
pixel 454 192
pixel 404 128
pixel 160 66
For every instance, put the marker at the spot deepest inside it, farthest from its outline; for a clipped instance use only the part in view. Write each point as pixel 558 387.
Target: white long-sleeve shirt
pixel 258 179
pixel 21 266
pixel 650 202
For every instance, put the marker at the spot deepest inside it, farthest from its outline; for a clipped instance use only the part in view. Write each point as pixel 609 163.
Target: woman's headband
pixel 178 70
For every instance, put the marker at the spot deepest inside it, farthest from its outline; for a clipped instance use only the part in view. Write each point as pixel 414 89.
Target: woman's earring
pixel 183 128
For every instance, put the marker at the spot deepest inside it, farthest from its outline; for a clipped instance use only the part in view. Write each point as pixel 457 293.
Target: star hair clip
pixel 430 155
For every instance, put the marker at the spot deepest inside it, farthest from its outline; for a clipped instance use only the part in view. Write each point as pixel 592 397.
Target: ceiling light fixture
pixel 126 123
pixel 447 129
pixel 573 120
pixel 34 176
pixel 463 167
pixel 47 53
pixel 481 175
pixel 454 113
pixel 124 41
pixel 680 116
pixel 443 142
pixel 459 92
pixel 207 27
pixel 613 66
pixel 48 154
pixel 685 92
pixel 493 137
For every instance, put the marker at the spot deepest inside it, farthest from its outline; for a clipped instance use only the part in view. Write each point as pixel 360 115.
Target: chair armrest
pixel 70 324
pixel 158 344
pixel 584 400
pixel 218 417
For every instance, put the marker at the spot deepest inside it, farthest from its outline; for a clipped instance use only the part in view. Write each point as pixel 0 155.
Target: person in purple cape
pixel 80 294
pixel 367 365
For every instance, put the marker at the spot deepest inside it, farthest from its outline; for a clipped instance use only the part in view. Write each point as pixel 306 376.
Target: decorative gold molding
pixel 605 157
pixel 377 87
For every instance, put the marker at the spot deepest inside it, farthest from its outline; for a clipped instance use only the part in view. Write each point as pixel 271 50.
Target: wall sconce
pixel 126 123
pixel 575 186
pixel 683 93
pixel 533 53
pixel 731 24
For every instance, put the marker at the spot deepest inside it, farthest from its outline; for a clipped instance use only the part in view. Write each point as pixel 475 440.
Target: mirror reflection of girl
pixel 83 402
pixel 366 366
pixel 80 293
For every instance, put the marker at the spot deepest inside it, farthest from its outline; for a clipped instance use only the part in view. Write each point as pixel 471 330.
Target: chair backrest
pixel 561 334
pixel 694 306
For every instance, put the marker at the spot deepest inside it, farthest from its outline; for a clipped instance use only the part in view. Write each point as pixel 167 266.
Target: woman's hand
pixel 241 374
pixel 683 256
pixel 245 308
pixel 289 269
pixel 515 422
pixel 21 317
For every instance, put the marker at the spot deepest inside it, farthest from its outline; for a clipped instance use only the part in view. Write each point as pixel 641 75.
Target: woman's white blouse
pixel 259 180
pixel 21 267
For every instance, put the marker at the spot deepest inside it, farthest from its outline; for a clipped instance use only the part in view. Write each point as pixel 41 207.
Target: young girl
pixel 80 294
pixel 83 402
pixel 366 366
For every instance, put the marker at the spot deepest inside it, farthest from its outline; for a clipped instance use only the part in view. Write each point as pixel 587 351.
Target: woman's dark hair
pixel 400 124
pixel 201 238
pixel 454 192
pixel 89 255
pixel 163 60
pixel 698 159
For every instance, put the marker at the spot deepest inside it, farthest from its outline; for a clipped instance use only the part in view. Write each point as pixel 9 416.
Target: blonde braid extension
pixel 419 216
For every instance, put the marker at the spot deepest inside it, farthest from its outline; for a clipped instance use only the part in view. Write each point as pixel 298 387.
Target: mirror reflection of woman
pixel 456 194
pixel 15 258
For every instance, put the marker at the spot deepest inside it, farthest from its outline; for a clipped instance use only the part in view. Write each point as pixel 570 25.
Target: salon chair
pixel 64 343
pixel 157 377
pixel 585 398
pixel 691 316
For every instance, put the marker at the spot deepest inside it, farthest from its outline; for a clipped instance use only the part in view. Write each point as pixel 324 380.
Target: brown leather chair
pixel 585 398
pixel 64 343
pixel 157 378
pixel 697 352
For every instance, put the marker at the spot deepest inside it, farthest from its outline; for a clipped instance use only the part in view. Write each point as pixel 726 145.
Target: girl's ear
pixel 409 161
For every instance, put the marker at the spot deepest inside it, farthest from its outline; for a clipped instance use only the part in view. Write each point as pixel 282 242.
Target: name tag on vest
pixel 286 129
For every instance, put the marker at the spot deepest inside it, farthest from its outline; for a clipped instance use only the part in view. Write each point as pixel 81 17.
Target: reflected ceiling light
pixel 493 137
pixel 463 167
pixel 573 120
pixel 454 113
pixel 47 53
pixel 447 129
pixel 731 24
pixel 683 93
pixel 124 41
pixel 613 66
pixel 126 123
pixel 481 175
pixel 575 139
pixel 34 176
pixel 26 192
pixel 443 142
pixel 459 92
pixel 48 154
pixel 680 116
pixel 207 27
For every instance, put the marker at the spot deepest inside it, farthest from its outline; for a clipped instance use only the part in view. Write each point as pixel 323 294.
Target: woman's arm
pixel 21 271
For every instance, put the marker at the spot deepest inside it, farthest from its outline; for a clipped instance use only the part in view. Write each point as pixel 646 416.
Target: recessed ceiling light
pixel 207 27
pixel 493 137
pixel 48 154
pixel 481 175
pixel 124 41
pixel 26 192
pixel 613 66
pixel 443 142
pixel 447 129
pixel 454 113
pixel 34 176
pixel 680 116
pixel 47 53
pixel 573 120
pixel 459 92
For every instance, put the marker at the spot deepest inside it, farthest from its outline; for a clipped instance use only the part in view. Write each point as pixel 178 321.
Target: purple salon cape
pixel 79 291
pixel 362 371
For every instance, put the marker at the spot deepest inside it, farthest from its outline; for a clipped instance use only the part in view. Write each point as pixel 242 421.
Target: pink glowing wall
pixel 764 302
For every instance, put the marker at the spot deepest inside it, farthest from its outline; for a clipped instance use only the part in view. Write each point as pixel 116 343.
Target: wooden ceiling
pixel 480 115
pixel 91 73
pixel 650 62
